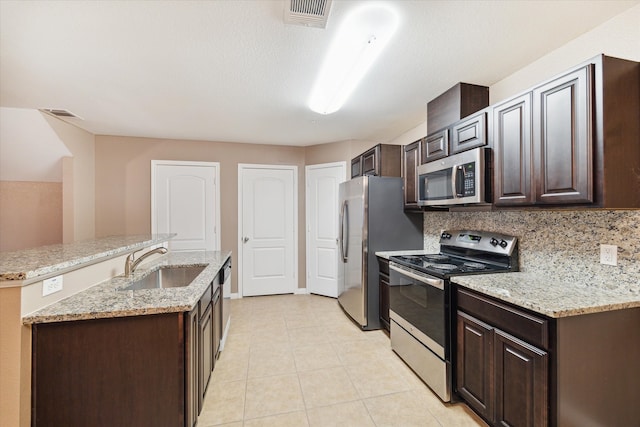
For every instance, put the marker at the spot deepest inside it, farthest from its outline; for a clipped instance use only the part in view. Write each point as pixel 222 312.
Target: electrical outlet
pixel 609 254
pixel 51 285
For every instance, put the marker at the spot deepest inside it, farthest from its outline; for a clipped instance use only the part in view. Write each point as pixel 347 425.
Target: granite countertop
pixel 107 299
pixel 554 295
pixel 37 263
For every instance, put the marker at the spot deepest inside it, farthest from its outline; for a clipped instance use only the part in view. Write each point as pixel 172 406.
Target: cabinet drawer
pixel 532 329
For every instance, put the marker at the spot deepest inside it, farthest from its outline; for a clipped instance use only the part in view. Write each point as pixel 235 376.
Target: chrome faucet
pixel 130 264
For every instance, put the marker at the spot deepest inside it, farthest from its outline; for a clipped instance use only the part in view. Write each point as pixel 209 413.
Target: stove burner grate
pixel 444 266
pixel 435 257
pixel 475 265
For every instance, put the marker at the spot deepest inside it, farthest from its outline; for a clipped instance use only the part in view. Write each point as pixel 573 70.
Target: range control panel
pixel 479 240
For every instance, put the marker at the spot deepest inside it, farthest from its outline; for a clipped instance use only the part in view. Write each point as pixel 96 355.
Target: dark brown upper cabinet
pixel 435 146
pixel 380 160
pixel 469 133
pixel 458 102
pixel 410 161
pixel 563 139
pixel 572 140
pixel 512 152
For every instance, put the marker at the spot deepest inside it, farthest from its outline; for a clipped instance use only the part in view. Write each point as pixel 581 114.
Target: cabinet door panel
pixel 206 353
pixel 563 139
pixel 521 382
pixel 512 152
pixel 475 364
pixel 469 133
pixel 410 163
pixel 356 167
pixel 435 146
pixel 370 160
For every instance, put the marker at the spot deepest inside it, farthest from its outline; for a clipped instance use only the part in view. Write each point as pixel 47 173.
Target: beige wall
pixel 336 152
pixel 78 180
pixel 47 180
pixel 31 214
pixel 123 183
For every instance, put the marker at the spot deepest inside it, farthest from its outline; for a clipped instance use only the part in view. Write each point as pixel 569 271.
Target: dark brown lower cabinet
pixel 148 370
pixel 503 378
pixel 127 371
pixel 383 265
pixel 475 364
pixel 521 375
pixel 207 354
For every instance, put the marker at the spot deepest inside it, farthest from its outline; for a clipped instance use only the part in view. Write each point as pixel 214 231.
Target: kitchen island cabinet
pixel 114 356
pixel 125 371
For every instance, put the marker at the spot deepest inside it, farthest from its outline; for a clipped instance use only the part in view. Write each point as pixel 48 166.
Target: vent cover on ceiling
pixel 61 113
pixel 310 13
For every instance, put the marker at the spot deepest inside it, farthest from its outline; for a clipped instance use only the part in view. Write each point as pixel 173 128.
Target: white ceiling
pixel 231 70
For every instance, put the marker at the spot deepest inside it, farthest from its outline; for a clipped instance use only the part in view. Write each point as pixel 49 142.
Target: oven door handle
pixel 436 283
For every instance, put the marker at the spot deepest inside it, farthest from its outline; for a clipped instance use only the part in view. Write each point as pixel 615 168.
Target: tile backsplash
pixel 555 241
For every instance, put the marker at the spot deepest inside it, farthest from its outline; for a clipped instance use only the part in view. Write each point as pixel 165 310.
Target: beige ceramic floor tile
pixel 292 419
pixel 332 375
pixel 373 379
pixel 352 414
pixel 400 409
pixel 315 357
pixel 326 387
pixel 223 403
pixel 272 395
pixel 448 414
pixel 231 366
pixel 201 423
pixel 276 361
pixel 357 351
pixel 307 336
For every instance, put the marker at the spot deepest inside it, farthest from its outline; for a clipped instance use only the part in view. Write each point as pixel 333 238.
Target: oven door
pixel 420 304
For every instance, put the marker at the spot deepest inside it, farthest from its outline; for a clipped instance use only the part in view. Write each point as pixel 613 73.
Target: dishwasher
pixel 225 282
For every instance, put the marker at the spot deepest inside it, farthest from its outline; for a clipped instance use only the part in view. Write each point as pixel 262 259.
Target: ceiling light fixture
pixel 361 37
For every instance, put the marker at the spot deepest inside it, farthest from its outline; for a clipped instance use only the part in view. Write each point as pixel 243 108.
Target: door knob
pixel 245 240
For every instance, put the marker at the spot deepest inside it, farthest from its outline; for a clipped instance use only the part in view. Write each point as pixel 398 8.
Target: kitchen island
pixel 65 345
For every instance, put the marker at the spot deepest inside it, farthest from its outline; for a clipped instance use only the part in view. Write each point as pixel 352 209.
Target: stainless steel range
pixel 420 305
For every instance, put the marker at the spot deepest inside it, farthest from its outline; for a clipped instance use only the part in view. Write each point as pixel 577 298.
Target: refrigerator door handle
pixel 344 220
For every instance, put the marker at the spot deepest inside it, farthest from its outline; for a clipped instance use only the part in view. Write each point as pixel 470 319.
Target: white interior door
pixel 322 208
pixel 186 200
pixel 267 229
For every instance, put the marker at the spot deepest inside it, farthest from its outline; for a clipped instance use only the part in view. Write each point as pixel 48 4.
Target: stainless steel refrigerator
pixel 372 218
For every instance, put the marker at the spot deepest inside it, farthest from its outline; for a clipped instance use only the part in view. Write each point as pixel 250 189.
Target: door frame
pixel 241 168
pixel 343 165
pixel 215 165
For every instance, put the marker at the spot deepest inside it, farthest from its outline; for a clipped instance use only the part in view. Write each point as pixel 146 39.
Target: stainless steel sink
pixel 166 277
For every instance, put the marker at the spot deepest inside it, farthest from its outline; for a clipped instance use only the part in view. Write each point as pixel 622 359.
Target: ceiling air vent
pixel 310 13
pixel 61 113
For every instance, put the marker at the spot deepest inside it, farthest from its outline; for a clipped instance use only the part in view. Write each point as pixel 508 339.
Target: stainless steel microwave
pixel 460 179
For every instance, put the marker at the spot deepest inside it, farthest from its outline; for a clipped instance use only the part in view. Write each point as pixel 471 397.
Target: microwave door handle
pixel 454 181
pixel 457 171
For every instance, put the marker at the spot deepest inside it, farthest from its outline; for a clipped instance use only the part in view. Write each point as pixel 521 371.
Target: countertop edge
pixel 135 303
pixel 557 307
pixel 103 249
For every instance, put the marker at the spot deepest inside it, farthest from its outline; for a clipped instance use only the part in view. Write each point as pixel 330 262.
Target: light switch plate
pixel 609 254
pixel 51 285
